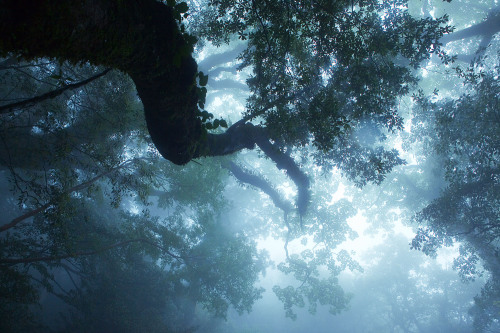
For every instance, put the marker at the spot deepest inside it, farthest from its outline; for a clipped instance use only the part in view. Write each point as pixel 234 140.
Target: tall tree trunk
pixel 141 38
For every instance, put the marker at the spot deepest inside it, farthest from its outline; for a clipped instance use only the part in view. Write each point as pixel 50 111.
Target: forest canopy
pixel 115 162
pixel 319 70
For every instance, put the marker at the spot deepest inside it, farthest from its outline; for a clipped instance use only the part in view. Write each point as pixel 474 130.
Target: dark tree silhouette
pixel 146 40
pixel 50 94
pixel 141 38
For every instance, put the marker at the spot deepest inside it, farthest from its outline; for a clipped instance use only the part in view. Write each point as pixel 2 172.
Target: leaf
pixel 202 92
pixel 181 7
pixel 203 79
pixel 206 115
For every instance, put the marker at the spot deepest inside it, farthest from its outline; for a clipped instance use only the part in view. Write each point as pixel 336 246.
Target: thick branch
pixel 49 95
pixel 249 178
pixel 220 59
pixel 247 136
pixel 261 183
pixel 286 162
pixel 141 38
pixel 487 28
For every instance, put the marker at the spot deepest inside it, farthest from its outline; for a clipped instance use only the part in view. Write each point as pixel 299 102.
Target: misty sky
pixel 115 238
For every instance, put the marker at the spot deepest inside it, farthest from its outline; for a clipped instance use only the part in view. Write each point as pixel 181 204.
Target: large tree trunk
pixel 141 38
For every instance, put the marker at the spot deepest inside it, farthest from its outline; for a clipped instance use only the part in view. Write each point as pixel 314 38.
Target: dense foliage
pixel 101 232
pixel 464 133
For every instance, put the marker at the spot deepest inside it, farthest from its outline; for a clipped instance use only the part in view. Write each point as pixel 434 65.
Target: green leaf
pixel 181 7
pixel 202 92
pixel 203 79
pixel 205 115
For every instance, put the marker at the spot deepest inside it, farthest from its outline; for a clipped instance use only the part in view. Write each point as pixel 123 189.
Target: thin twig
pixel 14 261
pixel 51 94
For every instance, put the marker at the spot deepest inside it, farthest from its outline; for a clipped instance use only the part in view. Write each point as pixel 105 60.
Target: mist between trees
pixel 249 166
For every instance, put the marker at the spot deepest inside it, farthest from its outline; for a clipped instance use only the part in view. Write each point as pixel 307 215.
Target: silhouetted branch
pixel 254 180
pixel 487 28
pixel 75 188
pixel 286 162
pixel 14 261
pixel 49 95
pixel 259 182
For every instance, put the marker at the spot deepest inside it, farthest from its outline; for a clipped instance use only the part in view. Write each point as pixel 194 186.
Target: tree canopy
pixel 320 71
pixel 115 165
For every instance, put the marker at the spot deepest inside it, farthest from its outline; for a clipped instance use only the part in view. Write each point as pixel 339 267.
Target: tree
pixel 87 203
pixel 404 291
pixel 464 134
pixel 485 30
pixel 320 70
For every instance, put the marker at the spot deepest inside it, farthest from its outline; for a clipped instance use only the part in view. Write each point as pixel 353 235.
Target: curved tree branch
pixel 254 180
pixel 286 162
pixel 75 188
pixel 247 135
pixel 143 39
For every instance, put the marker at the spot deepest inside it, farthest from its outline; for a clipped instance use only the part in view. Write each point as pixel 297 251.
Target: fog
pixel 396 230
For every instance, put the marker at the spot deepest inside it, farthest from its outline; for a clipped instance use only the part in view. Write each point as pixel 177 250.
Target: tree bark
pixel 254 180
